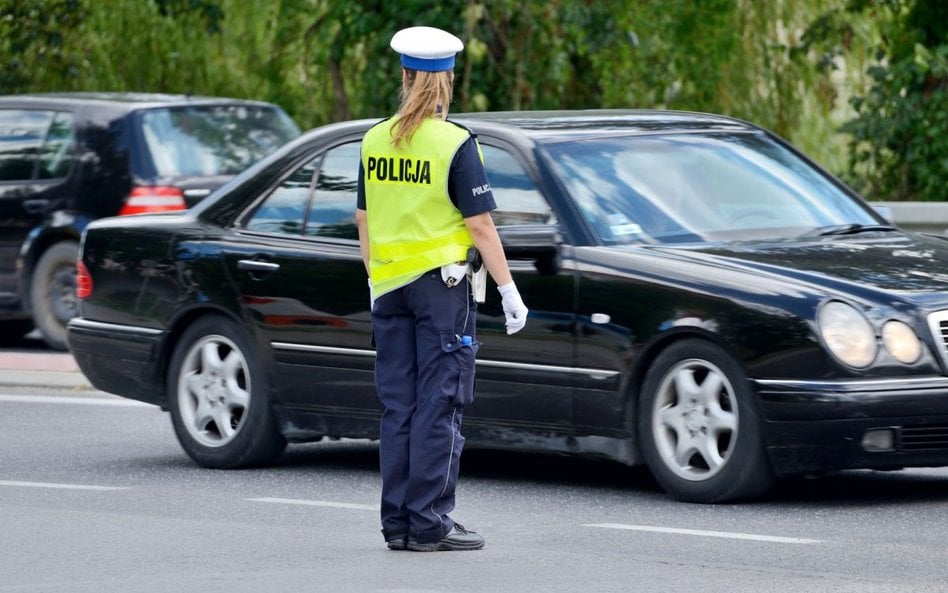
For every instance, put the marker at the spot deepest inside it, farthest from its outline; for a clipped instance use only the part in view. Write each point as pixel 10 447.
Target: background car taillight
pixel 83 281
pixel 156 198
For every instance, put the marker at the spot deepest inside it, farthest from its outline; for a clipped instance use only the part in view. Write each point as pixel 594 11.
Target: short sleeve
pixel 468 186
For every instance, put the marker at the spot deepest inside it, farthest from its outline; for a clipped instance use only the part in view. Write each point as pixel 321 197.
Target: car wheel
pixel 699 428
pixel 217 394
pixel 53 292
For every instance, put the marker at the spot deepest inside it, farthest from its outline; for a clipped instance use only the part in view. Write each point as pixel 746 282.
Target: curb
pixel 41 369
pixel 38 361
pixel 49 379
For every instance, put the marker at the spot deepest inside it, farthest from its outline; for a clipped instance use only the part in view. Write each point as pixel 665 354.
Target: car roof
pixel 121 101
pixel 553 124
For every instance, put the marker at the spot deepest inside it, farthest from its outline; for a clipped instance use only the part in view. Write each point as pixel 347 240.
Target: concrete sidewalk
pixel 41 369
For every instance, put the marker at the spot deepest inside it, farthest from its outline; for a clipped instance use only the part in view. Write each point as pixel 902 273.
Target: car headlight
pixel 901 342
pixel 848 334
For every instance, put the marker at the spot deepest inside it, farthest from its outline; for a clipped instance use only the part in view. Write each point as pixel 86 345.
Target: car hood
pixel 912 266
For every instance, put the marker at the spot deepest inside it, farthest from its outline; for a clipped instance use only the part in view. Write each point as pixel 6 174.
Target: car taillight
pixel 155 198
pixel 83 281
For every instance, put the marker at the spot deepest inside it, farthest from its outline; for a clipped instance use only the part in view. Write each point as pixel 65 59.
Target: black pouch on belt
pixel 474 258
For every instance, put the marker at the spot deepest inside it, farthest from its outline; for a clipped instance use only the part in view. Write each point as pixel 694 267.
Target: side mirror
pixel 539 242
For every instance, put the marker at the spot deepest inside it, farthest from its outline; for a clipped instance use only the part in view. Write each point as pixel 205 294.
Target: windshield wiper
pixel 847 229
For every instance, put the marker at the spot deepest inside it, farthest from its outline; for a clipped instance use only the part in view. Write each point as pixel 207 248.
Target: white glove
pixel 371 297
pixel 514 309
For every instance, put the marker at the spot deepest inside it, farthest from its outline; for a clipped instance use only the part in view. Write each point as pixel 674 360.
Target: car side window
pixel 332 212
pixel 22 133
pixel 284 209
pixel 56 155
pixel 518 199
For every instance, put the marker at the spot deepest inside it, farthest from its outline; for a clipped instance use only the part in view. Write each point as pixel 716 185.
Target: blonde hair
pixel 422 93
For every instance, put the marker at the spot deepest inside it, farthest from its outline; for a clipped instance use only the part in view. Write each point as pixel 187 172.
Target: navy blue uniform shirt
pixel 468 187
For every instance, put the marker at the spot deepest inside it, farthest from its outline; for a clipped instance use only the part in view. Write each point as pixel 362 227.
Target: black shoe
pixel 396 540
pixel 397 544
pixel 458 539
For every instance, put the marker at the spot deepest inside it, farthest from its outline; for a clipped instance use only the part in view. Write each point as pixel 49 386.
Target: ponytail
pixel 422 94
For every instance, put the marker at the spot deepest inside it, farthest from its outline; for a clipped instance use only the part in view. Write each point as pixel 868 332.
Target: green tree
pixel 899 137
pixel 797 67
pixel 33 36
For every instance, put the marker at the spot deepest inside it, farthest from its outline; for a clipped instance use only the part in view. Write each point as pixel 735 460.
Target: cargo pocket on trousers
pixel 463 356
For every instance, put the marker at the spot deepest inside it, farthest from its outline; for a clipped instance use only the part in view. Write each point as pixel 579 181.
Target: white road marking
pixel 59 486
pixel 318 503
pixel 699 532
pixel 68 399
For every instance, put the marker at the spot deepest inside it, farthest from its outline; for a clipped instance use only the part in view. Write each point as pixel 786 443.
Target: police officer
pixel 423 217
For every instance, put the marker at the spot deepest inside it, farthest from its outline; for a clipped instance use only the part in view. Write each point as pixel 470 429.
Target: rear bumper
pixel 119 359
pixel 820 425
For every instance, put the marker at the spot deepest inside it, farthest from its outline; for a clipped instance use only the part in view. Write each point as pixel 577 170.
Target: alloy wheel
pixel 214 391
pixel 695 419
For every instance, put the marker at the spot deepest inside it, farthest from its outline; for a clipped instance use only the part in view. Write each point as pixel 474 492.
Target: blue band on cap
pixel 428 64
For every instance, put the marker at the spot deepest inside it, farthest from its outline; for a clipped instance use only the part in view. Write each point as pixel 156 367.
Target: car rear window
pixel 213 140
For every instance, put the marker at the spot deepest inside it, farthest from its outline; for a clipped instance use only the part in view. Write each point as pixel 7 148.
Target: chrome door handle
pixel 255 265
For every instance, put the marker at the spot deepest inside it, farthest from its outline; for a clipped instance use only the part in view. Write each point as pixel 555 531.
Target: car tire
pixel 218 397
pixel 699 428
pixel 53 298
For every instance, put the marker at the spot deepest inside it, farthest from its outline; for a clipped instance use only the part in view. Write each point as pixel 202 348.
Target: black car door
pixel 295 259
pixel 304 288
pixel 525 381
pixel 36 155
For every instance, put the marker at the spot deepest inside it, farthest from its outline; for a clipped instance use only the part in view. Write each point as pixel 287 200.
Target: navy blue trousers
pixel 424 374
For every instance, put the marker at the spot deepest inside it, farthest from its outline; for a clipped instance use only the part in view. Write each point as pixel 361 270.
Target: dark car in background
pixel 703 299
pixel 68 159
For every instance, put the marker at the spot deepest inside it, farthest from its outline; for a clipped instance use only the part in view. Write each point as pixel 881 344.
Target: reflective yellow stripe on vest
pixel 393 251
pixel 413 226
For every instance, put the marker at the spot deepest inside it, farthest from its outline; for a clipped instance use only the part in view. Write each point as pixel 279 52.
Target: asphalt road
pixel 95 495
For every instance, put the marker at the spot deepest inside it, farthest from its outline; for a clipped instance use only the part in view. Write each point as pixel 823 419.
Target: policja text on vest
pixel 406 170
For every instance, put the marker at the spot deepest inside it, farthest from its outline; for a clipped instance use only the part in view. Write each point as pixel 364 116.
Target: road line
pixel 59 486
pixel 699 532
pixel 67 399
pixel 318 503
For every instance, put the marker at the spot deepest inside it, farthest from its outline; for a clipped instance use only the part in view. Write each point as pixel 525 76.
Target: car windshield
pixel 213 140
pixel 684 188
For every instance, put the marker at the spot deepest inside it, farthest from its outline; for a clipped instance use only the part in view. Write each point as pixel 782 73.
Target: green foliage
pixel 899 137
pixel 33 35
pixel 801 68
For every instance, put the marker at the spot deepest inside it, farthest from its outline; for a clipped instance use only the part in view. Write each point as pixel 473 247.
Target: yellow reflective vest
pixel 413 226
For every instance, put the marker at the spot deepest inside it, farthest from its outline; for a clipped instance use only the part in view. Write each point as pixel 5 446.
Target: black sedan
pixel 703 299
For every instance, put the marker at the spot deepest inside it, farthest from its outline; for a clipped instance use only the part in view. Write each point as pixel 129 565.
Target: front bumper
pixel 820 425
pixel 119 359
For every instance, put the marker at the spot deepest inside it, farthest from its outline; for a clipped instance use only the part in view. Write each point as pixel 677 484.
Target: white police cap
pixel 426 48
